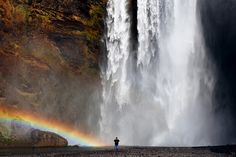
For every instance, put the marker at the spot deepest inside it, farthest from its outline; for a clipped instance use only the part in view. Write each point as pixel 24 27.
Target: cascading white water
pixel 116 86
pixel 162 97
pixel 149 29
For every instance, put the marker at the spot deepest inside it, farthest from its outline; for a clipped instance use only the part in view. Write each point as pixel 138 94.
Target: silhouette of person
pixel 116 140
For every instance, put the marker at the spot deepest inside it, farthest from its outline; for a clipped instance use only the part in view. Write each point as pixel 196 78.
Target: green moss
pixel 91 35
pixel 5 134
pixel 23 11
pixel 29 2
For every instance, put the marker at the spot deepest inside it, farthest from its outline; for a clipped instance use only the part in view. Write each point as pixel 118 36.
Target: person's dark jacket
pixel 116 141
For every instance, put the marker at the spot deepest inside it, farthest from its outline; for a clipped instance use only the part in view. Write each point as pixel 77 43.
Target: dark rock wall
pixel 219 26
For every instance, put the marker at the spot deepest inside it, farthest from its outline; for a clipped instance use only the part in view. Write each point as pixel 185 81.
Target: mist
pixel 45 84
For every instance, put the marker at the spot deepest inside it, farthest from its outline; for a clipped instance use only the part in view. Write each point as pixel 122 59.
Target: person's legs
pixel 116 147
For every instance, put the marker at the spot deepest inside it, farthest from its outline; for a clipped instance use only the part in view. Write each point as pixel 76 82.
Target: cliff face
pixel 219 27
pixel 49 58
pixel 48 34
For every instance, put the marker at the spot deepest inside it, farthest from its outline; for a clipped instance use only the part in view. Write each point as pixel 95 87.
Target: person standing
pixel 116 140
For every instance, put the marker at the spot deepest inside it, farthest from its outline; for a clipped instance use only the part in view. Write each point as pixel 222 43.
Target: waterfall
pixel 162 95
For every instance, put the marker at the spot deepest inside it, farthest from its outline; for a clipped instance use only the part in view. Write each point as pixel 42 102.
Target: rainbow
pixel 35 121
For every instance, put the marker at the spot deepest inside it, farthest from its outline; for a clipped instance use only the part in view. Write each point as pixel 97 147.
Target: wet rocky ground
pixel 220 151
